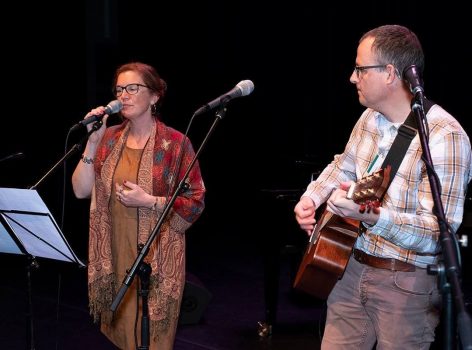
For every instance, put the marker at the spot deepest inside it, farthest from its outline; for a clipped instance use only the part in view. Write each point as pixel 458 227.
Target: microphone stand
pixel 12 156
pixel 144 273
pixel 32 263
pixel 449 269
pixel 77 147
pixel 139 266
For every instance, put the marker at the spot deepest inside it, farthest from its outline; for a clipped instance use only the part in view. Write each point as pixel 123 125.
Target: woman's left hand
pixel 132 195
pixel 340 205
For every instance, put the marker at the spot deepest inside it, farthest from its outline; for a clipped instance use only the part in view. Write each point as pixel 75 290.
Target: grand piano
pixel 283 240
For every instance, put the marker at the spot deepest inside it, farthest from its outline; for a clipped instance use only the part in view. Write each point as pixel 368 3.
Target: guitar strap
pixel 406 133
pixel 395 155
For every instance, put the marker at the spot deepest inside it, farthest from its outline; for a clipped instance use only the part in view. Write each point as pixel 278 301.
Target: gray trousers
pixel 389 309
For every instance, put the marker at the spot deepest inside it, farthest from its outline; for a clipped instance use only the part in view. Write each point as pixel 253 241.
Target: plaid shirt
pixel 407 228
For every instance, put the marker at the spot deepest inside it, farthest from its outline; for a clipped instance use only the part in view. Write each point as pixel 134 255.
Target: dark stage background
pixel 59 60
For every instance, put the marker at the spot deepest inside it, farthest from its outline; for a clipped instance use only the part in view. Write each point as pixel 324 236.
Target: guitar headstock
pixel 369 190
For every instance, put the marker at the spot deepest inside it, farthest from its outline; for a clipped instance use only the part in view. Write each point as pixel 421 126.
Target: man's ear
pixel 392 73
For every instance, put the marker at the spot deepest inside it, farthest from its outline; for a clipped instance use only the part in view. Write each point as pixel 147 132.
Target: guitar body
pixel 333 238
pixel 327 255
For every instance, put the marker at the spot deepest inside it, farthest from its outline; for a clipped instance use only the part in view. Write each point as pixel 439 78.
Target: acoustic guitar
pixel 333 238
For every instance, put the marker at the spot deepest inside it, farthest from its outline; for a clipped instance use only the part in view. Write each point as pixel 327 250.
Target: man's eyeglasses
pixel 359 69
pixel 131 89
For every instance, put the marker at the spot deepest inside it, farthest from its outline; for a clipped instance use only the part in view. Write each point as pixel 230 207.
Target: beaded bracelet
pixel 86 160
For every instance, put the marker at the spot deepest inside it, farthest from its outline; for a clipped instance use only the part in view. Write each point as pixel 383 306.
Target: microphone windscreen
pixel 113 107
pixel 246 87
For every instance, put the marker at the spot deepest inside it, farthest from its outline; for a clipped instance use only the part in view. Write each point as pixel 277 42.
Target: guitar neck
pixel 351 190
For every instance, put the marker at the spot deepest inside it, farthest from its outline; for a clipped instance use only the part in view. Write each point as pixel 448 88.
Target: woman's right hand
pixel 96 136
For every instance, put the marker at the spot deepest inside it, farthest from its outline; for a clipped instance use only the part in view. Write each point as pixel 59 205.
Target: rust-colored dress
pixel 124 252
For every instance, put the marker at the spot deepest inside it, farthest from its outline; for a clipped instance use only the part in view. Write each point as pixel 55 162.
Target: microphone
pixel 111 108
pixel 243 88
pixel 412 77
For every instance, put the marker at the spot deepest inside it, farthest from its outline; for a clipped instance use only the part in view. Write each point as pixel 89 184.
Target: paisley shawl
pixel 167 253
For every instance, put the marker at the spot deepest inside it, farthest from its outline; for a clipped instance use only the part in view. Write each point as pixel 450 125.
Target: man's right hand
pixel 305 214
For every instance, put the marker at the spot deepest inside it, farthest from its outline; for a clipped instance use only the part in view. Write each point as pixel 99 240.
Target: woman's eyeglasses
pixel 131 89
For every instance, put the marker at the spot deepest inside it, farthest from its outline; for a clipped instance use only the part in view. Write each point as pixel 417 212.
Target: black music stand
pixel 28 228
